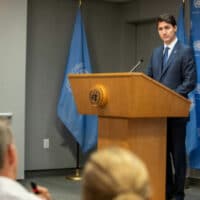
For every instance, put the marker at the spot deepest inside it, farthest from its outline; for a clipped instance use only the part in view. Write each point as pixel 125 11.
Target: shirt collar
pixel 172 44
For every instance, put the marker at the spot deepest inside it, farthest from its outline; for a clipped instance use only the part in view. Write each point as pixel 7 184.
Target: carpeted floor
pixel 59 187
pixel 63 189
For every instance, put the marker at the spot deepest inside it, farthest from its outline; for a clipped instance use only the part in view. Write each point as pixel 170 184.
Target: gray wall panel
pixel 49 31
pixel 103 26
pixel 13 19
pixel 144 9
pixel 49 35
pixel 146 39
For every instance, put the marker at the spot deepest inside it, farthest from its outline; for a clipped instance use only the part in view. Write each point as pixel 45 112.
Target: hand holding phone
pixel 41 191
pixel 34 188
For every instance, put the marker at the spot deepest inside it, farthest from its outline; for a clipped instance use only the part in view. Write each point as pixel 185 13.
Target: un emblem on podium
pixel 98 96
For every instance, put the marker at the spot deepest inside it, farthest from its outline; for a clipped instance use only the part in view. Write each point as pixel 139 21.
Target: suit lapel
pixel 160 60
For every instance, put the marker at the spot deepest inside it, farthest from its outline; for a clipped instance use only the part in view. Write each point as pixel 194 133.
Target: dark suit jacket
pixel 180 72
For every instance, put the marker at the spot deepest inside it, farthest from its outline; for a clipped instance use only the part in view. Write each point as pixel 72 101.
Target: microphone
pixel 137 65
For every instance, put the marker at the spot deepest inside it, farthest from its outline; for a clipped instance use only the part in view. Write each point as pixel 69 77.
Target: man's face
pixel 167 32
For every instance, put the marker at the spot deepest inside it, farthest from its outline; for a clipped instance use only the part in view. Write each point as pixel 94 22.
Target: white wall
pixel 13 19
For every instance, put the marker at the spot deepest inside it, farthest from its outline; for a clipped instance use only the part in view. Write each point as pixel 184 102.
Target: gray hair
pixel 5 139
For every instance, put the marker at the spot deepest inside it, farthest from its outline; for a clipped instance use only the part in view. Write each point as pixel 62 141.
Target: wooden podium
pixel 132 110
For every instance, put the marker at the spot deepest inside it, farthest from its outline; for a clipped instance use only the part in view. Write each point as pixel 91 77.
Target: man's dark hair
pixel 170 19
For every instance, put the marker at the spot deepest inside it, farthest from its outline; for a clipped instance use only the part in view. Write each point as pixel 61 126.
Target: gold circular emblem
pixel 98 96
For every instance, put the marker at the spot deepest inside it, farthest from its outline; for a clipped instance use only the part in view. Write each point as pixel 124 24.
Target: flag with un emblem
pixel 193 126
pixel 82 127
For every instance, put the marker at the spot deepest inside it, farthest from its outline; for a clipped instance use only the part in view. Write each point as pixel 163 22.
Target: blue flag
pixel 192 140
pixel 82 127
pixel 193 126
pixel 181 33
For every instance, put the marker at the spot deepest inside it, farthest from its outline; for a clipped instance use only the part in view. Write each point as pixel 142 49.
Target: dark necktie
pixel 165 57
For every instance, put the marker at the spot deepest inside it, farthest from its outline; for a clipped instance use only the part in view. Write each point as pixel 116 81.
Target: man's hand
pixel 43 193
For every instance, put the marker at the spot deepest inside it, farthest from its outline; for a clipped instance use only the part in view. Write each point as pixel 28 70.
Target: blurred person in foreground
pixel 10 189
pixel 115 174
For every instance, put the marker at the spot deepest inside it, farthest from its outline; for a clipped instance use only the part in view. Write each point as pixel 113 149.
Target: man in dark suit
pixel 172 64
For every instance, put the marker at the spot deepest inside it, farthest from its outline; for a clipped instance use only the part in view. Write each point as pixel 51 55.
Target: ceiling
pixel 119 1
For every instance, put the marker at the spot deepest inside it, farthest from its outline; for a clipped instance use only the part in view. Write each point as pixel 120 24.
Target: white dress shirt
pixel 171 46
pixel 12 190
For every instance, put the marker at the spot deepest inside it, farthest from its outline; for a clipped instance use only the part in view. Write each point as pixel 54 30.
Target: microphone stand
pixel 136 66
pixel 77 175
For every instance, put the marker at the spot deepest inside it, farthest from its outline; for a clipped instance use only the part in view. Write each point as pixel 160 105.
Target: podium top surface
pixel 124 74
pixel 128 95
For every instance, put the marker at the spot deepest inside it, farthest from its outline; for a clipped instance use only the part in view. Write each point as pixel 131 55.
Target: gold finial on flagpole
pixel 80 2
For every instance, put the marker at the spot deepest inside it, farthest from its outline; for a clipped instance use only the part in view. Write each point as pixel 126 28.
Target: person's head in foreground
pixel 9 187
pixel 115 174
pixel 8 154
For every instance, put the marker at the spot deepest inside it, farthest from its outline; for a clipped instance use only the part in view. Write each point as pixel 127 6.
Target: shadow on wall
pixel 72 146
